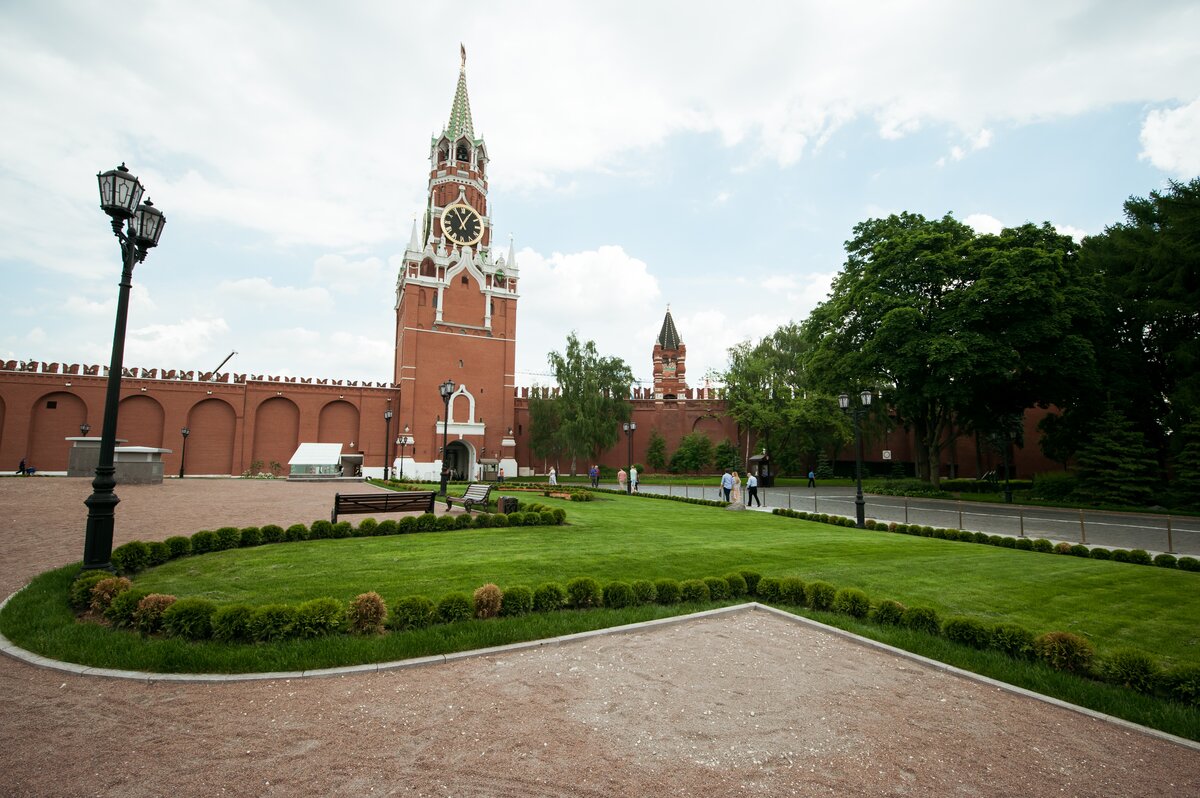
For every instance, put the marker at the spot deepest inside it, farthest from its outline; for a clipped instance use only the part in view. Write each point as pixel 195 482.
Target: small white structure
pixel 324 461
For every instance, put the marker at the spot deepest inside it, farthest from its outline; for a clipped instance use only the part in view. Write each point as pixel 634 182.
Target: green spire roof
pixel 668 336
pixel 460 113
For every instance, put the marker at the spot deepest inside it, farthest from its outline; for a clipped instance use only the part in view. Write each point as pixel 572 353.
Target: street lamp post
pixel 84 429
pixel 137 227
pixel 629 427
pixel 387 438
pixel 185 432
pixel 860 511
pixel 402 441
pixel 445 389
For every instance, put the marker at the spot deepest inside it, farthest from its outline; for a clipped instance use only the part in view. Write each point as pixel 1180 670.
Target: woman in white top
pixel 736 496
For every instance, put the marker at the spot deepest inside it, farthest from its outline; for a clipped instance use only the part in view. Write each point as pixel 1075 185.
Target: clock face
pixel 461 224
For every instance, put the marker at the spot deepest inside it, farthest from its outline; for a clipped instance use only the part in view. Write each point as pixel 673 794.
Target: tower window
pixel 460 364
pixel 462 153
pixel 465 281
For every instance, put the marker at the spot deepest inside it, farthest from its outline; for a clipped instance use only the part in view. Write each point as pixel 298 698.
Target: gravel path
pixel 740 704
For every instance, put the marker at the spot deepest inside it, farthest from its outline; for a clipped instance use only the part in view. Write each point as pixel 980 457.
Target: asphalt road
pixel 1178 535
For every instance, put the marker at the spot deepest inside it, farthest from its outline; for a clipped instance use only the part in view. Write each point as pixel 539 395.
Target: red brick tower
pixel 669 362
pixel 456 314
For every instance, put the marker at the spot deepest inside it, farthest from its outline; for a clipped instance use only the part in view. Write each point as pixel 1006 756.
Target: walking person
pixel 812 479
pixel 726 483
pixel 621 479
pixel 553 476
pixel 22 470
pixel 633 479
pixel 737 489
pixel 752 491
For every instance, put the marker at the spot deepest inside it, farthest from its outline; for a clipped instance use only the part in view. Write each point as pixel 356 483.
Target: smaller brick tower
pixel 669 368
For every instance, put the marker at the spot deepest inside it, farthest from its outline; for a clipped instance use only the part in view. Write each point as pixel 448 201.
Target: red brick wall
pixel 210 447
pixel 46 449
pixel 140 423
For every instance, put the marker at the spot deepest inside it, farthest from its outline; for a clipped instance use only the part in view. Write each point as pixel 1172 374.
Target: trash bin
pixel 506 504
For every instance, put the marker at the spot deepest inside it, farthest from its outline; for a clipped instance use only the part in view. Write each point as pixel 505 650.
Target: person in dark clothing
pixel 812 479
pixel 752 490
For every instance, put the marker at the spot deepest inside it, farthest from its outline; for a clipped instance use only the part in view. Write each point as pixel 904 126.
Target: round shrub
pixel 179 546
pixel 770 589
pixel 159 552
pixel 982 537
pixel 79 595
pixel 666 591
pixel 869 523
pixel 464 521
pixel 737 584
pixel 486 599
pixel 889 612
pixel 388 527
pixel 228 537
pixel 1008 543
pixel 482 521
pixel 549 596
pixel 967 631
pixel 293 533
pixel 852 601
pixel 446 523
pixel 693 591
pixel 718 588
pixel 926 531
pixel 1025 544
pixel 560 515
pixel 1166 561
pixel 367 528
pixel 148 617
pixel 1100 554
pixel 584 592
pixel 231 623
pixel 412 612
pixel 1043 545
pixel 120 611
pixel 189 618
pixel 342 529
pixel 751 578
pixel 1015 641
pixel 1182 683
pixel 1188 564
pixel 272 533
pixel 251 536
pixel 106 590
pixel 618 595
pixel 406 525
pixel 517 600
pixel 425 522
pixel 643 592
pixel 271 622
pixel 131 557
pixel 792 590
pixel 921 619
pixel 455 607
pixel 1080 550
pixel 499 520
pixel 368 612
pixel 821 595
pixel 320 530
pixel 1131 668
pixel 1140 557
pixel 547 518
pixel 319 617
pixel 1064 651
pixel 1120 555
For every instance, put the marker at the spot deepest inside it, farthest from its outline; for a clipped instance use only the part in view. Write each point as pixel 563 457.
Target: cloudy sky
pixel 712 157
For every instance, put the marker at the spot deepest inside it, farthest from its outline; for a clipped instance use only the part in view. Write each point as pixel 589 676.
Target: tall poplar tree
pixel 593 399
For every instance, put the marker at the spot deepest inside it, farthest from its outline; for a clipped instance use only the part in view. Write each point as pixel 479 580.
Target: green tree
pixel 695 454
pixel 545 425
pixel 1116 466
pixel 593 399
pixel 656 451
pixel 1185 484
pixel 725 455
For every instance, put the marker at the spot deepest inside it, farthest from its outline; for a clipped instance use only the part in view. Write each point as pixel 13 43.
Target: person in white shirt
pixel 633 480
pixel 752 491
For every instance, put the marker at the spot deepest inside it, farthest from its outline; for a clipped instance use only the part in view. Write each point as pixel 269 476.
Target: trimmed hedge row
pixel 1136 556
pixel 368 614
pixel 135 556
pixel 664 496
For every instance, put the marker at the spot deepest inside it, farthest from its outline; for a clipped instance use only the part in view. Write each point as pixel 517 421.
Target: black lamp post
pixel 84 429
pixel 387 438
pixel 137 228
pixel 629 427
pixel 857 413
pixel 402 441
pixel 183 455
pixel 445 389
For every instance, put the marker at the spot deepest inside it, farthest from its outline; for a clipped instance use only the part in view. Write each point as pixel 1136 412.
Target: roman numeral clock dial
pixel 461 224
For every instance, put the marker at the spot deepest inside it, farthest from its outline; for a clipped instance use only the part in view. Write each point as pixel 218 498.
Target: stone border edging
pixel 16 652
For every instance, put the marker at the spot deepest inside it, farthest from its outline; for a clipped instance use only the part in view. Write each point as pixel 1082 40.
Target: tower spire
pixel 460 112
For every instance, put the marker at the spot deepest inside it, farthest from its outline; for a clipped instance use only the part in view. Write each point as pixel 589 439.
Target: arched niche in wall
pixel 338 423
pixel 55 417
pixel 276 432
pixel 211 424
pixel 140 421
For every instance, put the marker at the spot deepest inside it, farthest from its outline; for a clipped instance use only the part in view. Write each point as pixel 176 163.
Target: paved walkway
pixel 728 705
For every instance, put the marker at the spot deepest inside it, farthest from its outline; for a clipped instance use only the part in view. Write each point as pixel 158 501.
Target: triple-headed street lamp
pixel 137 226
pixel 629 427
pixel 445 389
pixel 185 432
pixel 402 441
pixel 387 438
pixel 857 413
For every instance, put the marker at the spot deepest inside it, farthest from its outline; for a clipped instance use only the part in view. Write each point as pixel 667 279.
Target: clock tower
pixel 456 317
pixel 670 357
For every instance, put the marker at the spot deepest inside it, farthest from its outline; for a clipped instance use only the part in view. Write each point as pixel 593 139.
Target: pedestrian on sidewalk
pixel 752 491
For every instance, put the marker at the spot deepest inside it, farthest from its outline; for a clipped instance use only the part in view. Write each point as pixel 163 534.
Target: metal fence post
pixel 1170 543
pixel 1082 529
pixel 1021 516
pixel 906 509
pixel 789 500
pixel 960 526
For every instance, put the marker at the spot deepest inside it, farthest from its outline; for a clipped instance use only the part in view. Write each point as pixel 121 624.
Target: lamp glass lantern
pixel 120 193
pixel 84 429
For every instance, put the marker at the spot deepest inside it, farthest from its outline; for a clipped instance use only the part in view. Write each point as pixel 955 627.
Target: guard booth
pixel 760 466
pixel 488 467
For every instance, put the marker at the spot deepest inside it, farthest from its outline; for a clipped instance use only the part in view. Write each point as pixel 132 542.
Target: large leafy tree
pixel 592 400
pixel 545 425
pixel 656 451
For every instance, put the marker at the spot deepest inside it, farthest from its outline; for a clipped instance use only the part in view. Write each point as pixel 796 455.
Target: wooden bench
pixel 391 502
pixel 475 494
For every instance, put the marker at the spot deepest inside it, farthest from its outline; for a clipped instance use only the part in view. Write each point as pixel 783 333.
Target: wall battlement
pixel 135 372
pixel 636 393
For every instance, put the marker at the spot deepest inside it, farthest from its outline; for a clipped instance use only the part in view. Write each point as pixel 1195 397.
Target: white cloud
pixel 1171 140
pixel 284 299
pixel 178 345
pixel 984 224
pixel 1073 232
pixel 350 276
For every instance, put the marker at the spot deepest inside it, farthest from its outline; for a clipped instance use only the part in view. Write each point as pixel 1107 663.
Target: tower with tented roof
pixel 670 357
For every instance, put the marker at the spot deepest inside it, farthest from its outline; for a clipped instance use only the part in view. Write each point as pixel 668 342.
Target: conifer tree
pixel 1116 466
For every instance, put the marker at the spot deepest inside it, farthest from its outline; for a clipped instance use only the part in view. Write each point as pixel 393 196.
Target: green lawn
pixel 614 537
